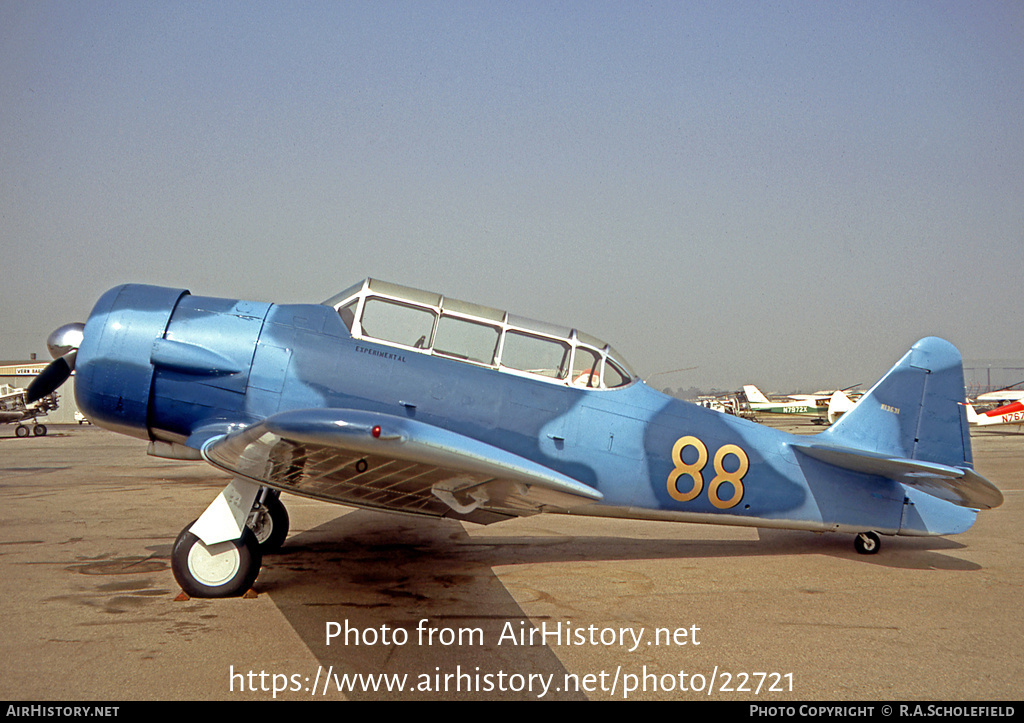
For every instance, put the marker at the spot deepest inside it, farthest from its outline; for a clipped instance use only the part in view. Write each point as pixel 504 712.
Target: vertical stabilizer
pixel 754 394
pixel 915 411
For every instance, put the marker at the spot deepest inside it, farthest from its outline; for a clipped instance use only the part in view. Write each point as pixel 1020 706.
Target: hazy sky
pixel 785 194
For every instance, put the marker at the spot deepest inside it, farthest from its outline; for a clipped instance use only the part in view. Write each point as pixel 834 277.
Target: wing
pixel 379 461
pixel 960 485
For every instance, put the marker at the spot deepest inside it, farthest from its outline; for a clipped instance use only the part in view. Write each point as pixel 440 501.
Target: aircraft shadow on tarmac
pixel 353 545
pixel 367 570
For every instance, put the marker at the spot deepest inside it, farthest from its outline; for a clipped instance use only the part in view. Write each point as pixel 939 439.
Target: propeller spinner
pixel 63 346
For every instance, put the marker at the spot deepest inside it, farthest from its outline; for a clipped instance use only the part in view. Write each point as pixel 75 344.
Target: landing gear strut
pixel 867 543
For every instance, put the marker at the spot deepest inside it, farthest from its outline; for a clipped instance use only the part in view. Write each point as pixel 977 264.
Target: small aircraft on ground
pixel 15 410
pixel 838 405
pixel 391 398
pixel 761 404
pixel 817 403
pixel 1010 414
pixel 734 403
pixel 1001 395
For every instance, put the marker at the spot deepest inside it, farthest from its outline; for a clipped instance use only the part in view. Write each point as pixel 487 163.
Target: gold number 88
pixel 694 472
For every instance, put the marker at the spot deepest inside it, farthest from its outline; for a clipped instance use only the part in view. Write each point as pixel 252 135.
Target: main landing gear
pixel 39 430
pixel 220 554
pixel 867 543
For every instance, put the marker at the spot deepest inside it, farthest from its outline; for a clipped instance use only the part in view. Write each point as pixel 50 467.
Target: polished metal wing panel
pixel 391 463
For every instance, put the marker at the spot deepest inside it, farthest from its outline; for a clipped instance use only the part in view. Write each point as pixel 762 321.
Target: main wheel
pixel 39 430
pixel 269 523
pixel 867 543
pixel 227 569
pixel 21 430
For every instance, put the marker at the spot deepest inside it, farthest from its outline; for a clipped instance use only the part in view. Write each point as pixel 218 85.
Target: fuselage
pixel 163 365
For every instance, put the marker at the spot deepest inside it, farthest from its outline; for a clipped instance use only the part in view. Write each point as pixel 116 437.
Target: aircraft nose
pixel 113 373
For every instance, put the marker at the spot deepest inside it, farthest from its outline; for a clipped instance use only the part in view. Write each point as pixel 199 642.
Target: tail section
pixel 911 427
pixel 754 394
pixel 914 412
pixel 838 405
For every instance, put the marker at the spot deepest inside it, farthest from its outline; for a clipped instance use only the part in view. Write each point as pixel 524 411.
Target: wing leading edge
pixel 381 461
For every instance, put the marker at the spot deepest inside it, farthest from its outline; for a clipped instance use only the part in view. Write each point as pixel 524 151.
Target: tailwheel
pixel 867 543
pixel 269 523
pixel 226 569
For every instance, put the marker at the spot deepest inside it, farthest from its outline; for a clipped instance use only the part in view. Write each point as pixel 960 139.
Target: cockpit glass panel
pixel 417 296
pixel 348 313
pixel 586 368
pixel 614 376
pixel 535 354
pixel 622 364
pixel 398 323
pixel 464 339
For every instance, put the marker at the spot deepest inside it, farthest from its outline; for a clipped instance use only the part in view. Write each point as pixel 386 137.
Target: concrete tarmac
pixel 632 610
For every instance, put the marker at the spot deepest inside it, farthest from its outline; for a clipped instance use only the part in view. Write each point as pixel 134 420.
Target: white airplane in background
pixel 1002 395
pixel 1009 415
pixel 816 403
pixel 838 404
pixel 760 403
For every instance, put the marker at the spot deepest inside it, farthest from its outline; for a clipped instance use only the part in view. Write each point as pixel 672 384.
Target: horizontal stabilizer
pixel 381 461
pixel 960 485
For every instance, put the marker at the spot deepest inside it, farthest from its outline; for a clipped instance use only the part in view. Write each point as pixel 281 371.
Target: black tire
pixel 269 525
pixel 21 430
pixel 867 543
pixel 39 430
pixel 228 571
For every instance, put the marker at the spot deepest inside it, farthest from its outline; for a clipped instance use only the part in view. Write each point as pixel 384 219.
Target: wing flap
pixel 381 461
pixel 960 485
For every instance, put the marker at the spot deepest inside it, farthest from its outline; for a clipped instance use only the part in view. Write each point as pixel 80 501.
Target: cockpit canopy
pixel 430 323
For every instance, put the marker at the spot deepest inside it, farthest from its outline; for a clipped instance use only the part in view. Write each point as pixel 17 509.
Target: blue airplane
pixel 391 398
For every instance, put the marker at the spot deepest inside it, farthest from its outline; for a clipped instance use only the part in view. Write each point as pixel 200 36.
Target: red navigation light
pixel 375 432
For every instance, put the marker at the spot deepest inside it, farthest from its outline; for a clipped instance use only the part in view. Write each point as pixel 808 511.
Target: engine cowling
pixel 113 371
pixel 156 363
